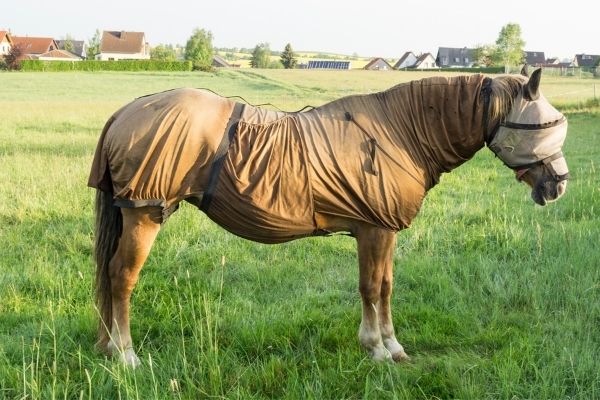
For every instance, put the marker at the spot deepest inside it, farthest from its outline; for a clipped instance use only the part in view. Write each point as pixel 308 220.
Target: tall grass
pixel 494 297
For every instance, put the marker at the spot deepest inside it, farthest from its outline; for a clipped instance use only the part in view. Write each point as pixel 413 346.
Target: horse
pixel 361 165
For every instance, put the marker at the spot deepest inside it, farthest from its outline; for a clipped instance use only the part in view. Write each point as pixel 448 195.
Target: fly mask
pixel 532 134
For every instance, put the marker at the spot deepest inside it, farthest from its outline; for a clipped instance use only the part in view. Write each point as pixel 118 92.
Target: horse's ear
pixel 531 89
pixel 525 71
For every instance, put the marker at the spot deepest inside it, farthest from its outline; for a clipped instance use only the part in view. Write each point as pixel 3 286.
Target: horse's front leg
pixel 386 324
pixel 376 333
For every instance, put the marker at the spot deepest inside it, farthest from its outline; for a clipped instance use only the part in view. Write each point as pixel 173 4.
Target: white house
pixel 5 43
pixel 123 46
pixel 408 60
pixel 425 61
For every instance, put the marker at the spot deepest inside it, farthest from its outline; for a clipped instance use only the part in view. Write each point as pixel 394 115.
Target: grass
pixel 494 297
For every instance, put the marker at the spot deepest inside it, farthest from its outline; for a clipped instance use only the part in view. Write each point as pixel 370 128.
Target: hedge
pixel 482 70
pixel 93 65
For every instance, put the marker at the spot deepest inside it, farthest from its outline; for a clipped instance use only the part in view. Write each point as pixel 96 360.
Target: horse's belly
pixel 264 193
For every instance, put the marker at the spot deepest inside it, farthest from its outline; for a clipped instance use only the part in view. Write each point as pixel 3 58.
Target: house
pixel 6 43
pixel 552 61
pixel 32 47
pixel 328 64
pixel 219 62
pixel 407 60
pixel 77 47
pixel 378 64
pixel 58 55
pixel 586 60
pixel 534 58
pixel 451 57
pixel 123 45
pixel 425 61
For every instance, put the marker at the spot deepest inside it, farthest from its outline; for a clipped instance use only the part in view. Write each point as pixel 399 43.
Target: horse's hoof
pixel 129 358
pixel 400 357
pixel 381 354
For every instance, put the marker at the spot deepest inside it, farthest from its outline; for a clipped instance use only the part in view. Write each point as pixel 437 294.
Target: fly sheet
pixel 367 157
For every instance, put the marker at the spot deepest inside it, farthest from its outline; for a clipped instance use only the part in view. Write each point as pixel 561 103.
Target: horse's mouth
pixel 548 193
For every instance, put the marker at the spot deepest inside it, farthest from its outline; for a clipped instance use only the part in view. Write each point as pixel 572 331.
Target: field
pixel 494 297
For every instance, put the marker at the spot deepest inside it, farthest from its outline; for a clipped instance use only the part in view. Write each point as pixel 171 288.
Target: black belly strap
pixel 220 154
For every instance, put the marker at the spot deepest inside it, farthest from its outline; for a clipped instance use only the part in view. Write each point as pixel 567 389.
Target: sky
pixel 382 28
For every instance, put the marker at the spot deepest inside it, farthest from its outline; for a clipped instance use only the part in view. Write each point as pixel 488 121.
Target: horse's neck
pixel 443 118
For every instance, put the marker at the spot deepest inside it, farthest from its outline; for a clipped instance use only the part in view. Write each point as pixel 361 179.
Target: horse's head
pixel 529 140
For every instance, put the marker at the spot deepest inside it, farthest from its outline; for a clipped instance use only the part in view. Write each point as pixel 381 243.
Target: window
pixel 456 59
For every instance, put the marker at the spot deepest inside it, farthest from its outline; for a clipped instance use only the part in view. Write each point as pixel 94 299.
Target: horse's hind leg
pixel 375 249
pixel 140 227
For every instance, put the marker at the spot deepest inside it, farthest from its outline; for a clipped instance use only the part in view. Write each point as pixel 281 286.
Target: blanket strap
pixel 220 154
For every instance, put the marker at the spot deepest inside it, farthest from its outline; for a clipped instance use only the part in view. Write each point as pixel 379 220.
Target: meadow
pixel 495 297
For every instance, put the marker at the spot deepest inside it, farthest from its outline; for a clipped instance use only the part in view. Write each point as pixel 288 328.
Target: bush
pixel 94 65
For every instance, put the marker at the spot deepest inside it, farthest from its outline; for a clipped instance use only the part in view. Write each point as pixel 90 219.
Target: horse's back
pixel 157 149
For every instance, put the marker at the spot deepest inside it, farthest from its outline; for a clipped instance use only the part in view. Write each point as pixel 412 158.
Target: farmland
pixel 494 297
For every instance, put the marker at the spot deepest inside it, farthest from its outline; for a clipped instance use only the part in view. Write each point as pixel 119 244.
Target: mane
pixel 504 91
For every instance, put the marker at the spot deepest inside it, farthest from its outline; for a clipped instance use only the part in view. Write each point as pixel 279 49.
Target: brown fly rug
pixel 265 175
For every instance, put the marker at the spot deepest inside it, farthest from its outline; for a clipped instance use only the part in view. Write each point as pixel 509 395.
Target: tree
pixel 163 53
pixel 484 55
pixel 12 60
pixel 199 49
pixel 509 46
pixel 261 56
pixel 93 46
pixel 69 43
pixel 288 57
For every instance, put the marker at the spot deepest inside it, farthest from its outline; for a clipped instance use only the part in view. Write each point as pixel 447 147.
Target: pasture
pixel 494 297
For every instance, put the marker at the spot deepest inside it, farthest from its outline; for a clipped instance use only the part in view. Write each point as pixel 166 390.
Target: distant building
pixel 123 45
pixel 451 57
pixel 6 43
pixel 58 55
pixel 586 60
pixel 407 60
pixel 32 47
pixel 378 64
pixel 219 62
pixel 425 61
pixel 534 58
pixel 78 47
pixel 328 64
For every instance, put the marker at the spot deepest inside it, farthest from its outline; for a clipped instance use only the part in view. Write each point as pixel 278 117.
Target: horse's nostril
pixel 561 187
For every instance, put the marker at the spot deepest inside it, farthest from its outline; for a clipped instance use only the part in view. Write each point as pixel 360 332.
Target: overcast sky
pixel 385 28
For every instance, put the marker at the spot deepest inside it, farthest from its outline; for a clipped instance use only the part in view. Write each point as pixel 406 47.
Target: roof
pixel 403 58
pixel 122 42
pixel 422 58
pixel 452 53
pixel 587 60
pixel 59 54
pixel 78 46
pixel 34 45
pixel 219 61
pixel 328 64
pixel 5 35
pixel 376 60
pixel 535 57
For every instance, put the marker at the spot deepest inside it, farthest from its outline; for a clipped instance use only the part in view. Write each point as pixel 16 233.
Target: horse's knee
pixel 370 292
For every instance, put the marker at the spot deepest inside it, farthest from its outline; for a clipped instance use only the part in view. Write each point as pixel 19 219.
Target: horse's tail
pixel 109 226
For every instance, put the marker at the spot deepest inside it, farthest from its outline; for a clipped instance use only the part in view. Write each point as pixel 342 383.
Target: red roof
pixel 5 35
pixel 34 45
pixel 122 42
pixel 59 54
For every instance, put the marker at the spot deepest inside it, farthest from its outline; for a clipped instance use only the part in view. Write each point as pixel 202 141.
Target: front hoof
pixel 400 356
pixel 129 358
pixel 380 354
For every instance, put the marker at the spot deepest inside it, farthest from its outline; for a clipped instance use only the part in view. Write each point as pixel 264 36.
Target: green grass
pixel 494 297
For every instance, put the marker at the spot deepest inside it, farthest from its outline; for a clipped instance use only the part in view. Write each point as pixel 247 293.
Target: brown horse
pixel 360 164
